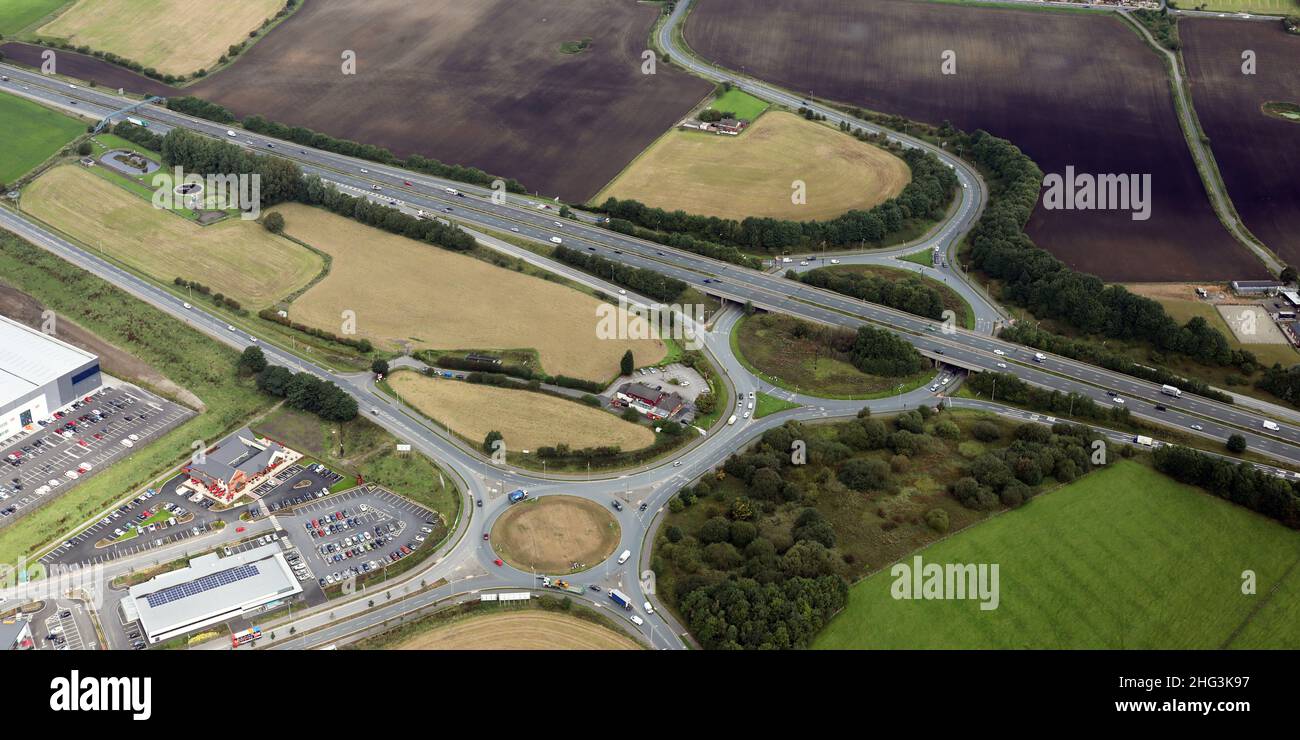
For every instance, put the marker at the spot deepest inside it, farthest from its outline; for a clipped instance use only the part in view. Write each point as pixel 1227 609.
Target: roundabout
pixel 555 534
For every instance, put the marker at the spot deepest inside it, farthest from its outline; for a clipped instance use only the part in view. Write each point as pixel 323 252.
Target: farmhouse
pixel 236 463
pixel 730 126
pixel 652 402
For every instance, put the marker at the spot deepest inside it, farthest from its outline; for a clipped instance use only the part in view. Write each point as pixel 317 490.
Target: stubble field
pixel 482 84
pixel 525 419
pixel 526 630
pixel 408 294
pixel 172 36
pixel 1068 88
pixel 1258 155
pixel 751 174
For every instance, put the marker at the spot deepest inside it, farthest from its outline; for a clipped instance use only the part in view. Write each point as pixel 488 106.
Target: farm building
pixel 211 589
pixel 1256 287
pixel 652 402
pixel 236 462
pixel 39 375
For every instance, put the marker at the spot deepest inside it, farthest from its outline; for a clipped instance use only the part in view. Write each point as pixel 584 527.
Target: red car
pixel 82 442
pixel 407 183
pixel 498 562
pixel 239 529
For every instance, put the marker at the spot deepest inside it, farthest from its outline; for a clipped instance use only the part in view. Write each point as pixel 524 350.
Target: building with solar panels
pixel 39 375
pixel 211 590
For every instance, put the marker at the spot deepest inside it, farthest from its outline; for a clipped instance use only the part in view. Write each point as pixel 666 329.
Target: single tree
pixel 1236 444
pixel 627 364
pixel 379 367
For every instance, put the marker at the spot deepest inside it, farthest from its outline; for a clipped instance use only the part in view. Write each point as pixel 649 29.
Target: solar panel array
pixel 199 585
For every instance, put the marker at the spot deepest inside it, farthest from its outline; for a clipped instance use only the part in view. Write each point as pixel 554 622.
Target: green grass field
pixel 17 15
pixel 766 405
pixel 741 103
pixel 33 134
pixel 1267 7
pixel 1124 558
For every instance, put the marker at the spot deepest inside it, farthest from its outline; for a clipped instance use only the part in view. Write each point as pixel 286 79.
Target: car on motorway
pixel 231 133
pixel 1198 427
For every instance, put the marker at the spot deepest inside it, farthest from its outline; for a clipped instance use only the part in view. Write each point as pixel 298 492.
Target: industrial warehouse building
pixel 39 375
pixel 211 590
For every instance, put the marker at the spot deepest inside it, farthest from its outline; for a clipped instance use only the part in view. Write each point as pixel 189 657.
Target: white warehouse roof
pixel 210 590
pixel 30 359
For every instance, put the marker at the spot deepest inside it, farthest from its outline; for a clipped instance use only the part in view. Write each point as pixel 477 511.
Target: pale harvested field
pixel 235 257
pixel 751 174
pixel 525 419
pixel 173 36
pixel 555 535
pixel 1252 325
pixel 530 630
pixel 409 294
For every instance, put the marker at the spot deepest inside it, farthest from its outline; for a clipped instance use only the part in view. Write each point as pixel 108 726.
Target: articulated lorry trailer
pixel 620 598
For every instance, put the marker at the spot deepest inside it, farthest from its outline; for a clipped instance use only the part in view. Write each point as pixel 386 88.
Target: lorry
pixel 1170 390
pixel 620 598
pixel 138 122
pixel 1039 357
pixel 1144 441
pixel 562 585
pixel 518 495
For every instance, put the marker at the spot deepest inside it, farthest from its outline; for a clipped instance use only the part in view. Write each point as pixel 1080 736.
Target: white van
pixel 231 133
pixel 623 558
pixel 1272 426
pixel 557 240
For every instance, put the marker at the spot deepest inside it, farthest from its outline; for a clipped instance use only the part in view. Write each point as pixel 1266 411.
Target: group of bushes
pixel 645 281
pixel 138 135
pixel 924 197
pixel 910 294
pixel 884 353
pixel 306 392
pixel 204 290
pixel 192 106
pixel 1038 281
pixel 1010 476
pixel 302 391
pixel 1240 483
pixel 280 179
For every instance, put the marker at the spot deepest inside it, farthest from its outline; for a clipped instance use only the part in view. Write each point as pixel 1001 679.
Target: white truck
pixel 1170 390
pixel 1272 426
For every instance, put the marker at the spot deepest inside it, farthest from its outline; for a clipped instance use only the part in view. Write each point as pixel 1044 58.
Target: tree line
pixel 1240 483
pixel 925 197
pixel 645 281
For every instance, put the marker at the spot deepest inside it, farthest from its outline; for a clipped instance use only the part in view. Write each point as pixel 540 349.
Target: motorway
pixel 467 563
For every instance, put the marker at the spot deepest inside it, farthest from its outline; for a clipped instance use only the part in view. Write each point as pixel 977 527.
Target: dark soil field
pixel 83 67
pixel 1068 88
pixel 1258 155
pixel 482 84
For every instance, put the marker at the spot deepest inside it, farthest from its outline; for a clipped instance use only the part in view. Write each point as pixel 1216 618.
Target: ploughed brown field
pixel 1258 154
pixel 85 67
pixel 1067 88
pixel 479 83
